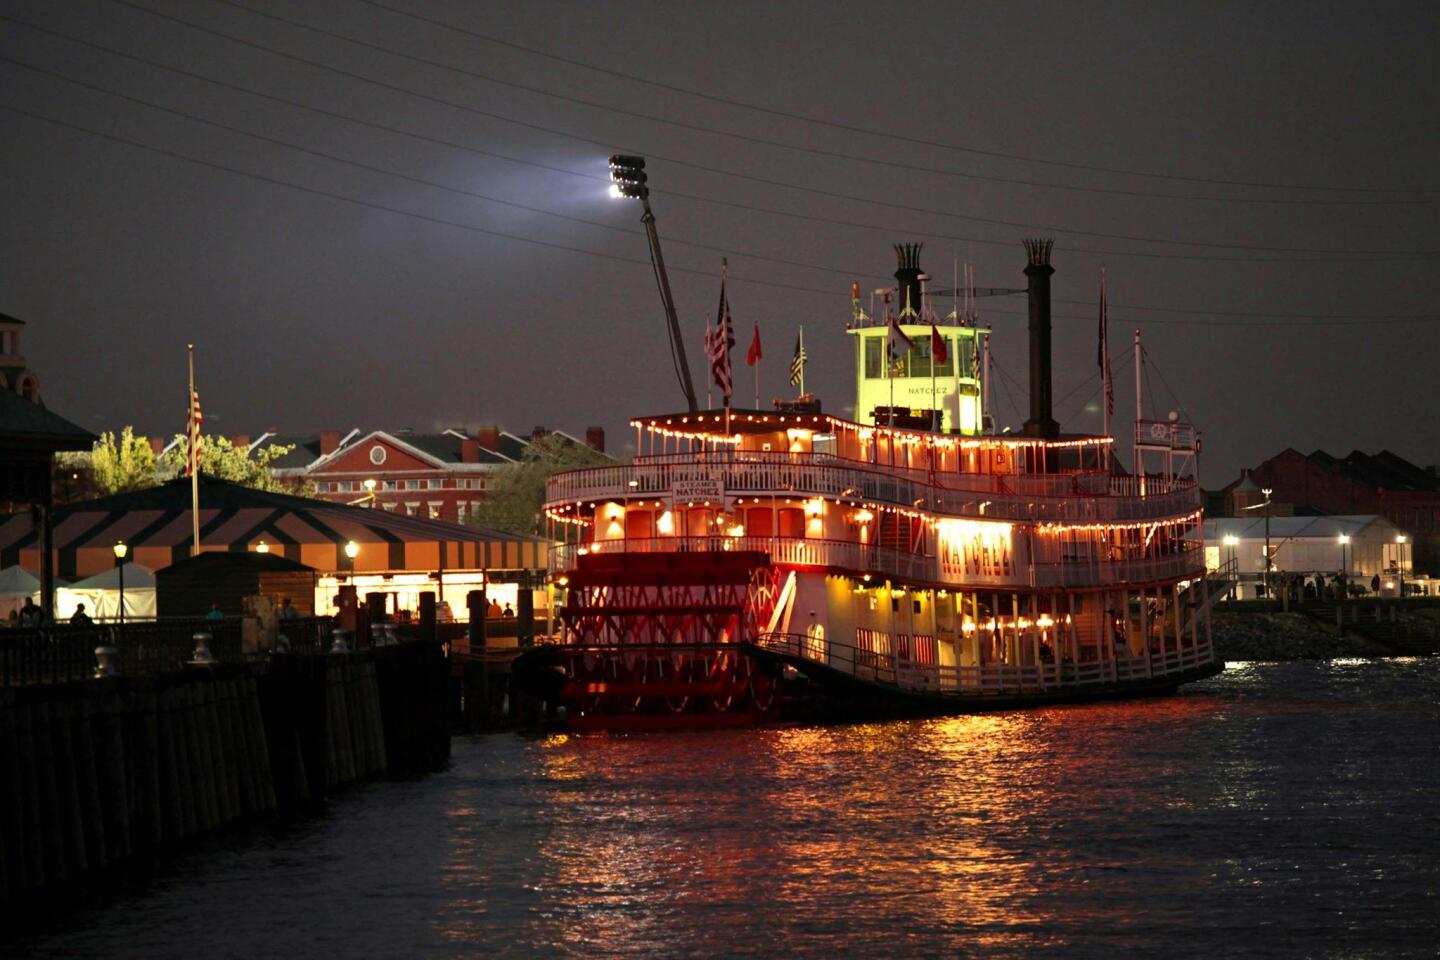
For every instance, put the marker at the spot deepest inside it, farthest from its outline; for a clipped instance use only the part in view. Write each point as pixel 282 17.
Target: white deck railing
pixel 1071 496
pixel 897 564
pixel 991 679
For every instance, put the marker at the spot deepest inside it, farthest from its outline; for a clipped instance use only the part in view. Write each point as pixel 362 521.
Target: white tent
pixel 17 583
pixel 101 594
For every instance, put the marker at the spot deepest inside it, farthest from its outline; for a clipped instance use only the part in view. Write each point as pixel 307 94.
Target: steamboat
pixel 752 565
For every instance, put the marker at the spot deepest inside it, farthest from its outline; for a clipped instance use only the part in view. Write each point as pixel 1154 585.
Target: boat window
pixel 947 369
pixel 920 356
pixel 874 358
pixel 823 443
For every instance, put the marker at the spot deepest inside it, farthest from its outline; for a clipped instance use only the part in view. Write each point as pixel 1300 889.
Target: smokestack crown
pixel 907 276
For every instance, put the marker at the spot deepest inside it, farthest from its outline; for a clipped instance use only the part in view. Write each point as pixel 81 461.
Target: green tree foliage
pixel 224 460
pixel 121 464
pixel 515 492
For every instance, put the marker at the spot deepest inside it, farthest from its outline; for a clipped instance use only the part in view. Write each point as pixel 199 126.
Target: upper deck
pixel 1016 479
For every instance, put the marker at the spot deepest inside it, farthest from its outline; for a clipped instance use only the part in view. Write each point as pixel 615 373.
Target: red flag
pixel 753 355
pixel 937 346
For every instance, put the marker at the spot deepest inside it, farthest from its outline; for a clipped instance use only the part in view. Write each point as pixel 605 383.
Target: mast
pixel 1139 414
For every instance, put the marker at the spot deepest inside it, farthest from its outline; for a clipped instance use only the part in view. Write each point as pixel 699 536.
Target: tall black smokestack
pixel 1037 271
pixel 907 275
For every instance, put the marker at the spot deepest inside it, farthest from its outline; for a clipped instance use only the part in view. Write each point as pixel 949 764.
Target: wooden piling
pixel 54 846
pixel 72 818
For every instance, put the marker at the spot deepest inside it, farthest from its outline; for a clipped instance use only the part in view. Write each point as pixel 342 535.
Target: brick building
pixel 1318 484
pixel 441 475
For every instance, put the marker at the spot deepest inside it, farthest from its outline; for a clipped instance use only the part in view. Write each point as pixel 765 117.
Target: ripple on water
pixel 1274 810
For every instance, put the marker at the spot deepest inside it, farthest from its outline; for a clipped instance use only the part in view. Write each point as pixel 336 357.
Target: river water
pixel 1278 810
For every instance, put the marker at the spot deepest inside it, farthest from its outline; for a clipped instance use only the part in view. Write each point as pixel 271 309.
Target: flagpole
pixel 802 361
pixel 1105 362
pixel 710 387
pixel 757 378
pixel 192 446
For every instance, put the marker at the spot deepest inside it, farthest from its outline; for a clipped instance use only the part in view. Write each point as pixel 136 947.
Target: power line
pixel 850 128
pixel 601 225
pixel 676 193
pixel 607 256
pixel 459 191
pixel 762 141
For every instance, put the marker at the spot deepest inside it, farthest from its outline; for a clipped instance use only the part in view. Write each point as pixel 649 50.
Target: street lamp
pixel 1267 491
pixel 1400 539
pixel 262 547
pixel 352 550
pixel 120 549
pixel 1230 541
pixel 628 180
pixel 1344 569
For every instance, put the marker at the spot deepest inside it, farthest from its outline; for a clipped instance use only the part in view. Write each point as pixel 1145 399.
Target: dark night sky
pixel 312 312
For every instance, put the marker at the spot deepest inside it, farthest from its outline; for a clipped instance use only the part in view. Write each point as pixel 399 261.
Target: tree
pixel 515 492
pixel 120 464
pixel 224 460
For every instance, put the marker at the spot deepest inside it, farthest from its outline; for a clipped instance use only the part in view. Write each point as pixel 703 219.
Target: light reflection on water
pixel 1280 809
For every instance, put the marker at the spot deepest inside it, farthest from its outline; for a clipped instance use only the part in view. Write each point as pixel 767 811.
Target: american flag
pixel 192 465
pixel 1103 356
pixel 718 341
pixel 797 362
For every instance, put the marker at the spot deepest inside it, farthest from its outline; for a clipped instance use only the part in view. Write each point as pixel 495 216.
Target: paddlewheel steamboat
pixel 749 563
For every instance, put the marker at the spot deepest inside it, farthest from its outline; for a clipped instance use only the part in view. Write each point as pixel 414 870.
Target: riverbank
pixel 1295 636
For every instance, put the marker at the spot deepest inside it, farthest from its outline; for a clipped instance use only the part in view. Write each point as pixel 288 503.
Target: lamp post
pixel 120 550
pixel 628 180
pixel 1230 541
pixel 1400 539
pixel 352 550
pixel 1344 569
pixel 1267 491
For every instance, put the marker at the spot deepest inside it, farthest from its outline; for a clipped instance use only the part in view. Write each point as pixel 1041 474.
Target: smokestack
pixel 595 439
pixel 1038 271
pixel 907 276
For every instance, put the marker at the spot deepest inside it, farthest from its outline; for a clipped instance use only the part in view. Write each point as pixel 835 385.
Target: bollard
pixel 201 655
pixel 339 644
pixel 107 662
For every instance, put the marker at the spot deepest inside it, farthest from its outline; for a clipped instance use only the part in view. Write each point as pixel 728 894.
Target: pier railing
pixel 1061 497
pixel 61 653
pixel 995 679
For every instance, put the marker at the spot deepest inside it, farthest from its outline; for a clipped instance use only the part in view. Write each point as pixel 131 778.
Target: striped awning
pixel 156 525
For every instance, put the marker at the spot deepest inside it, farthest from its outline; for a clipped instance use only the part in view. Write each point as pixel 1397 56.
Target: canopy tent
pixel 101 594
pixel 17 583
pixel 156 525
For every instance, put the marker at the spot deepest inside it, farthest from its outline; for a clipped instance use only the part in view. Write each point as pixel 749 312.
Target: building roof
pixel 156 523
pixel 27 424
pixel 6 318
pixel 1297 528
pixel 447 447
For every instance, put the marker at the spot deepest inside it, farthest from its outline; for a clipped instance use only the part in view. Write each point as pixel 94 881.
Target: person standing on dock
pixel 81 618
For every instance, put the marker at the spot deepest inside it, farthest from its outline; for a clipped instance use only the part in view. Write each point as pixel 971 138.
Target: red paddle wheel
pixel 653 640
